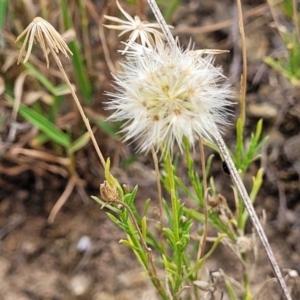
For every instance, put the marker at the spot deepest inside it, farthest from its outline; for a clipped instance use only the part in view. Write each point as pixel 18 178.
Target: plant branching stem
pixel 244 75
pixel 151 267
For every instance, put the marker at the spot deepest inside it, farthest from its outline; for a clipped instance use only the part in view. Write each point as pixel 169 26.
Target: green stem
pixel 174 201
pixel 175 213
pixel 247 295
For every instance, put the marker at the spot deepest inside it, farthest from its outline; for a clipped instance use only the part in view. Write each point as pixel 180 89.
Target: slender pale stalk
pixel 249 206
pixel 164 27
pixel 83 116
pixel 244 75
pixel 296 19
pixel 202 244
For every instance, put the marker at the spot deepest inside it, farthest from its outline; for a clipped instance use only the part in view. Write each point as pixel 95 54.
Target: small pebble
pixel 80 284
pixel 84 244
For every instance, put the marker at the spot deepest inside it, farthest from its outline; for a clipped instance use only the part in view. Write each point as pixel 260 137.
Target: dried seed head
pixel 140 30
pixel 204 286
pixel 216 202
pixel 108 194
pixel 46 35
pixel 244 243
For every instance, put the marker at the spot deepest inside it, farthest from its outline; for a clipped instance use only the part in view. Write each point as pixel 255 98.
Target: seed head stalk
pixel 233 171
pixel 49 38
pixel 77 102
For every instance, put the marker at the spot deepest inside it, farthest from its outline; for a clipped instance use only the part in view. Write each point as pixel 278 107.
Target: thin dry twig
pixel 257 11
pixel 202 243
pixel 244 56
pixel 93 12
pixel 62 199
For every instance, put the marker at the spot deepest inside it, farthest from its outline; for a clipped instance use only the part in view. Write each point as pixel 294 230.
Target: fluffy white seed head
pixel 164 95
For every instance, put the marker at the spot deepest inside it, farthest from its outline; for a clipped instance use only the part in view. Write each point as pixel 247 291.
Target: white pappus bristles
pixel 164 95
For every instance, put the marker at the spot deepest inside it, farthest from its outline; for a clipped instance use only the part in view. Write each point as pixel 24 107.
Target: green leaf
pixel 104 204
pixel 146 207
pixel 43 124
pixel 170 235
pixel 79 143
pixel 108 128
pixel 230 290
pixel 3 14
pixel 42 79
pixel 239 143
pixel 77 58
pixel 144 227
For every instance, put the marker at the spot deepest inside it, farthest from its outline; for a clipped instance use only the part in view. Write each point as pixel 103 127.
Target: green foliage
pixel 288 63
pixel 174 248
pixel 288 66
pixel 169 7
pixel 77 58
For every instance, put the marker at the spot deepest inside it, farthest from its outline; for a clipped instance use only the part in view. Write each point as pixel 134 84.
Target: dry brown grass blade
pixel 243 85
pixel 62 199
pixel 18 91
pixel 257 11
pixel 42 155
pixel 13 171
pixel 93 12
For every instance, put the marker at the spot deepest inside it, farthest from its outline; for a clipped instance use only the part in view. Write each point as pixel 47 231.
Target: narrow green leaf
pixel 230 290
pixel 43 124
pixel 79 143
pixel 146 207
pixel 258 130
pixel 77 59
pixel 144 227
pixel 3 14
pixel 48 128
pixel 107 127
pixel 40 77
pixel 239 143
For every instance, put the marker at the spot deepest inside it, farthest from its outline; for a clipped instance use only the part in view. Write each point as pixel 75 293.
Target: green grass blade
pixel 3 13
pixel 79 143
pixel 54 90
pixel 77 59
pixel 44 125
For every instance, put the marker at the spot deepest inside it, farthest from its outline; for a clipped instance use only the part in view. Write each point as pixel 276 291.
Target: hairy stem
pixel 249 206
